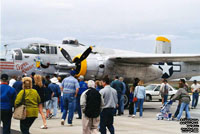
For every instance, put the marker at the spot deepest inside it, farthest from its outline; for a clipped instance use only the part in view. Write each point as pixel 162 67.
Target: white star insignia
pixel 166 68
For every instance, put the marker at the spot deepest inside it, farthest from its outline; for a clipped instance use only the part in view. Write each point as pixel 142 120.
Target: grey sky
pixel 122 24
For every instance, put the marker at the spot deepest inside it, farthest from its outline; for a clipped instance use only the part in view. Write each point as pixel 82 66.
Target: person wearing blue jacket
pixel 18 84
pixel 55 95
pixel 83 87
pixel 7 96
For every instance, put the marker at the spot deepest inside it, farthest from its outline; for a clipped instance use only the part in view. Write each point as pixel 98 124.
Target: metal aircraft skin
pixel 96 63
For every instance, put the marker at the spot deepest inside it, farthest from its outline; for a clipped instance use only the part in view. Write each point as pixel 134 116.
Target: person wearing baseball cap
pixel 83 87
pixel 7 95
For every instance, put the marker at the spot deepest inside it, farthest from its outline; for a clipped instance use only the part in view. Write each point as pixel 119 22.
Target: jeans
pixel 55 105
pixel 177 111
pixel 119 96
pixel 78 106
pixel 122 104
pixel 106 120
pixel 69 102
pixel 165 99
pixel 141 101
pixel 6 116
pixel 195 98
pixel 186 107
pixel 61 103
pixel 26 124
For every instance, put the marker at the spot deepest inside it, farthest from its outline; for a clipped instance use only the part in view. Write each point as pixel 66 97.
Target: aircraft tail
pixel 163 45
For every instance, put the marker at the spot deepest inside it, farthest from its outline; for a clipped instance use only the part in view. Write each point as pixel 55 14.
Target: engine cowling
pixel 81 68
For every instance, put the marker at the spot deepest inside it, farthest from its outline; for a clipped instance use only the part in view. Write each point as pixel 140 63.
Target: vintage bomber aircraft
pixel 95 63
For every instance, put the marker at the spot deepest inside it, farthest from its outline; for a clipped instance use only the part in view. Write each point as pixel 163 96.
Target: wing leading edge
pixel 155 58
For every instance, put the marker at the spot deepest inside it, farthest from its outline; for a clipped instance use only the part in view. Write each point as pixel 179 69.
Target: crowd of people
pixel 96 102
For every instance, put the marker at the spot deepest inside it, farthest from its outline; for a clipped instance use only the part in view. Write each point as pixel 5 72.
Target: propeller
pixel 66 55
pixel 84 55
pixel 77 61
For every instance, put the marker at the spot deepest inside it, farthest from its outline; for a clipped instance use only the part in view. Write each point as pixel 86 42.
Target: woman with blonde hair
pixel 140 93
pixel 40 89
pixel 32 100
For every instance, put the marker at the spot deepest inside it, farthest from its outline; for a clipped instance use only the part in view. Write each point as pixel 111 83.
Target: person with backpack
pixel 164 90
pixel 91 103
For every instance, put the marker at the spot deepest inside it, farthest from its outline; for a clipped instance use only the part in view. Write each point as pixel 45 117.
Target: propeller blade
pixel 85 54
pixel 66 55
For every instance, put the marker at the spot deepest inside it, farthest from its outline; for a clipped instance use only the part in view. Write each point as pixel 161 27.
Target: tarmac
pixel 148 124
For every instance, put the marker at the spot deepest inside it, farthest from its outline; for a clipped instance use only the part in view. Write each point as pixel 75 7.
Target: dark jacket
pixel 18 86
pixel 55 89
pixel 117 85
pixel 41 92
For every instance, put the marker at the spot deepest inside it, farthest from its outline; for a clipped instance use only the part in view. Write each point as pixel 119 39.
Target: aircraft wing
pixel 155 58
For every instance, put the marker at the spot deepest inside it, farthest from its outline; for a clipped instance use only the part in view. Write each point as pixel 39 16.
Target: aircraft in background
pixel 96 63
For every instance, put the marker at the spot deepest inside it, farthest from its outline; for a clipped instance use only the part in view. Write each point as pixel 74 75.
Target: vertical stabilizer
pixel 163 45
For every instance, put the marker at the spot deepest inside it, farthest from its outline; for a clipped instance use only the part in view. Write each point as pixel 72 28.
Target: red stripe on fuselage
pixel 10 68
pixel 6 65
pixel 6 62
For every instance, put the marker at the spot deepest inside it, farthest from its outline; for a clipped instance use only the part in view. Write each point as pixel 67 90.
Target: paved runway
pixel 123 124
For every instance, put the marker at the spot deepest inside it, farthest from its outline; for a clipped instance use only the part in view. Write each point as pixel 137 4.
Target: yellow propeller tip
pixel 91 47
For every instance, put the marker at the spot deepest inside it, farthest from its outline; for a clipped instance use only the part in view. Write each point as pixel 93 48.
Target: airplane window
pixel 65 42
pixel 71 42
pixel 42 49
pixel 47 50
pixel 18 54
pixel 53 50
pixel 33 49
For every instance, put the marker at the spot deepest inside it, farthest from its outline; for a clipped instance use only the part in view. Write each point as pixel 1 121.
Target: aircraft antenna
pixel 6 48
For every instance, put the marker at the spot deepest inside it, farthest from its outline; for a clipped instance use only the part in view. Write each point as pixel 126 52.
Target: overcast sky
pixel 122 24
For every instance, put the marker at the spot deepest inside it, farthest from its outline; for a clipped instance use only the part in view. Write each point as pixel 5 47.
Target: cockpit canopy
pixel 40 48
pixel 70 41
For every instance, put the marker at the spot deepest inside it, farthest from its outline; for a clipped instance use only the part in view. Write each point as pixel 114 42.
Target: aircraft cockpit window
pixel 42 49
pixel 47 50
pixel 32 49
pixel 53 50
pixel 18 54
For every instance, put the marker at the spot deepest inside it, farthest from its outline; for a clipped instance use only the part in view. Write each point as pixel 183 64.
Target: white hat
pixel 81 77
pixel 54 80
